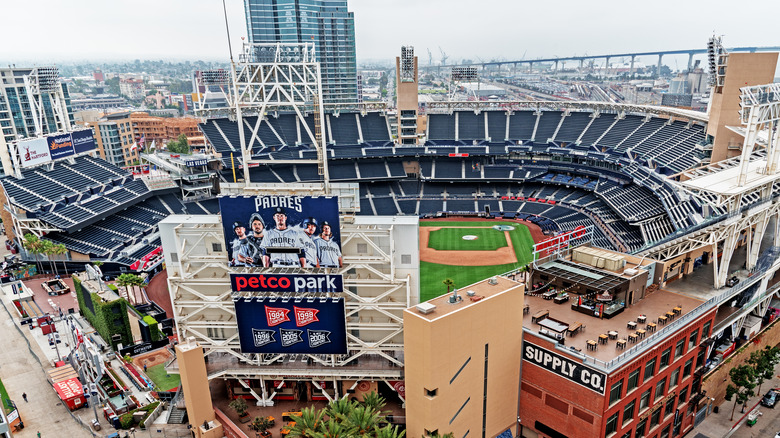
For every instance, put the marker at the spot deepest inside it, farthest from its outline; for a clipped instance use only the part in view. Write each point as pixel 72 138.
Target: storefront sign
pixel 564 367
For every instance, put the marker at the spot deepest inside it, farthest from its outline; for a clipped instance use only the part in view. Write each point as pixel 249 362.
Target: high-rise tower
pixel 326 23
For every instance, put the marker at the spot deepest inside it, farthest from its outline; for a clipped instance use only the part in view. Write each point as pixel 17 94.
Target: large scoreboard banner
pixel 282 231
pixel 278 326
pixel 54 147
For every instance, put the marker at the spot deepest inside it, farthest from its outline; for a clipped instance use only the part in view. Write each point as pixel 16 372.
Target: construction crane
pixel 444 56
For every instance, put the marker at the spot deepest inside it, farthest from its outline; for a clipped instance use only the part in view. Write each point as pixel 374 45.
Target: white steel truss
pixel 747 197
pixel 43 85
pixel 376 294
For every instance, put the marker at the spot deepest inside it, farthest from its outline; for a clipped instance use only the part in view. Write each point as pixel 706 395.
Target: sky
pixel 45 31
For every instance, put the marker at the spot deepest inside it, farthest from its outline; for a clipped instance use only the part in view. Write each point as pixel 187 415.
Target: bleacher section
pixel 107 237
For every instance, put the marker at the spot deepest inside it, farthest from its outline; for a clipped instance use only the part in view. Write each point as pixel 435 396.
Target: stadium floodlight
pixel 464 74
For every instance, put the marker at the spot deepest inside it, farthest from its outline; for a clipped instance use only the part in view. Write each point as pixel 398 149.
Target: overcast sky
pixel 42 31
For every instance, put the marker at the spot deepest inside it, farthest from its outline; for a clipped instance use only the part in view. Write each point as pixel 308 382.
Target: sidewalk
pixel 720 424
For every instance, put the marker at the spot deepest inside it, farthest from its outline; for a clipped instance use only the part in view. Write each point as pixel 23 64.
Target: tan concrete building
pixel 463 361
pixel 195 385
pixel 114 137
pixel 406 89
pixel 164 129
pixel 742 70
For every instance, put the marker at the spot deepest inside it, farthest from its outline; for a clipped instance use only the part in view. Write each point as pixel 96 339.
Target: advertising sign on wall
pixel 298 283
pixel 565 367
pixel 282 231
pixel 54 147
pixel 60 146
pixel 83 141
pixel 306 326
pixel 32 152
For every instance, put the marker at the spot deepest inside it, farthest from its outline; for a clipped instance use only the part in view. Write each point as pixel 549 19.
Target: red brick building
pixel 632 373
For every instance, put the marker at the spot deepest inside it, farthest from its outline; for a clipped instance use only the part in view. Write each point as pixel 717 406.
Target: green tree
pixel 743 381
pixel 60 249
pixel 127 281
pixel 449 283
pixel 34 246
pixel 261 425
pixel 47 248
pixel 308 423
pixel 239 405
pixel 764 362
pixel 180 145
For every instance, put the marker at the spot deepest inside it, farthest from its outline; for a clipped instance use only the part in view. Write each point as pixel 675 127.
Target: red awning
pixel 68 389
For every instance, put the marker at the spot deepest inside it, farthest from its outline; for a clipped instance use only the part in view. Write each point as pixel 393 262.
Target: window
pixel 665 432
pixel 655 417
pixel 705 331
pixel 675 377
pixel 700 358
pixel 644 401
pixel 678 350
pixel 431 393
pixel 216 247
pixel 611 424
pixel 687 368
pixel 640 428
pixel 406 259
pixel 692 340
pixel 649 370
pixel 633 380
pixel 362 248
pixel 628 412
pixel 660 387
pixel 614 393
pixel 670 404
pixel 665 357
pixel 683 395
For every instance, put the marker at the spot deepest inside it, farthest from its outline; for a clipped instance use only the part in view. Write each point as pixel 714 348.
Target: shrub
pixel 126 420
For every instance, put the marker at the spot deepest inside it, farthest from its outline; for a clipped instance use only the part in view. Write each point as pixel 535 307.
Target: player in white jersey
pixel 328 251
pixel 309 242
pixel 282 237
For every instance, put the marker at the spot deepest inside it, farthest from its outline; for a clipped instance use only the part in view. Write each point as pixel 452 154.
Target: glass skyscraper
pixel 326 23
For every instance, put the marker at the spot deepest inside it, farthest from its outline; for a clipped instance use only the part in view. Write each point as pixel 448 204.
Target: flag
pixel 134 147
pixel 142 141
pixel 152 146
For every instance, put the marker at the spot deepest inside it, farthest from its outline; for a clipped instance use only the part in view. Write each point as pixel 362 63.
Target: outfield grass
pixel 162 379
pixel 432 274
pixel 4 394
pixel 451 239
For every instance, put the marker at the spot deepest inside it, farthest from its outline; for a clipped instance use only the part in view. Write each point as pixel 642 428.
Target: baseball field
pixel 470 250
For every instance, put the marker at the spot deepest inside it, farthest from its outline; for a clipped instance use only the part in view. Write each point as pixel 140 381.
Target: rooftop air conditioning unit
pixel 425 308
pixel 630 271
pixel 471 293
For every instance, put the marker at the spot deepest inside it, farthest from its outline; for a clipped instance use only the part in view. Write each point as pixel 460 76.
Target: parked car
pixel 732 281
pixel 771 398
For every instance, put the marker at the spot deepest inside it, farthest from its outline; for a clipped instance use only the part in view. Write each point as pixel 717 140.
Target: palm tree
pixel 390 431
pixel 374 401
pixel 60 249
pixel 449 283
pixel 239 405
pixel 307 424
pixel 128 280
pixel 364 420
pixel 340 408
pixel 334 428
pixel 32 244
pixel 47 248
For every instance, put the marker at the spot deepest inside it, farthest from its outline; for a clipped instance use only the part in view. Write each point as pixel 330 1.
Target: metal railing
pixel 768 259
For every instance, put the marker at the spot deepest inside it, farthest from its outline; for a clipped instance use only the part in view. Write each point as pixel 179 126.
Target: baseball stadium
pixel 482 183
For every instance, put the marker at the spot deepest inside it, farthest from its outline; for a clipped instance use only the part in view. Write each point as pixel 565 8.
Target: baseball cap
pixel 237 224
pixel 325 223
pixel 310 220
pixel 280 210
pixel 256 217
